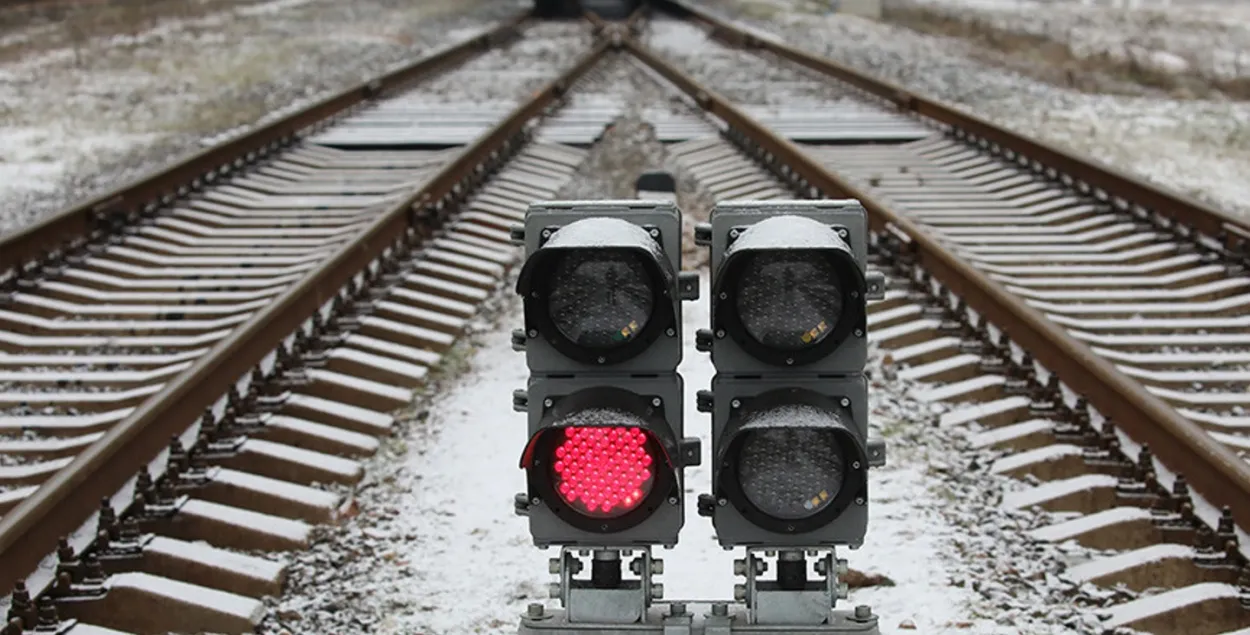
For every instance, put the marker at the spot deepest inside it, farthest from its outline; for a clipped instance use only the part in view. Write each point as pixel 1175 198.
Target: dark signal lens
pixel 789 301
pixel 601 299
pixel 603 472
pixel 791 473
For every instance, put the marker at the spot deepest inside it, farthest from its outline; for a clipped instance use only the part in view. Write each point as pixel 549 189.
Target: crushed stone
pixel 436 549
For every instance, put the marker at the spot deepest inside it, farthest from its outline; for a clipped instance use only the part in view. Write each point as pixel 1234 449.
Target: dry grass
pixel 770 9
pixel 111 105
pixel 46 26
pixel 1055 62
pixel 121 15
pixel 224 72
pixel 758 10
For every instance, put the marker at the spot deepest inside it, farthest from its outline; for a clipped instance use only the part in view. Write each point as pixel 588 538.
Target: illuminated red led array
pixel 603 470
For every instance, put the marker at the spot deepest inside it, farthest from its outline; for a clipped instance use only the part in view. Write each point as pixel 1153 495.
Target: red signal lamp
pixel 603 471
pixel 603 462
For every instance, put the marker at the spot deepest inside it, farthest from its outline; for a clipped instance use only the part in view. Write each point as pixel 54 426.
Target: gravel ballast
pixel 435 547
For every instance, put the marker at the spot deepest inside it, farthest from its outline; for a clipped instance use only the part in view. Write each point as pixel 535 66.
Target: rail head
pixel 1212 469
pixel 1182 212
pixel 69 498
pixel 81 221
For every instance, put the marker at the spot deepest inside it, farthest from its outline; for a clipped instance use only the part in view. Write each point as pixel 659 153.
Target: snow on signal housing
pixel 791 236
pixel 607 408
pixel 600 239
pixel 772 412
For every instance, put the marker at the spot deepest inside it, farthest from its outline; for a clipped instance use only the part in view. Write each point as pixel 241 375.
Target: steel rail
pixel 80 221
pixel 1231 232
pixel 1210 468
pixel 69 498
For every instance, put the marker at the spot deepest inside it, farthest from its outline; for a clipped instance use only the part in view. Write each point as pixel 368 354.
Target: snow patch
pixel 1013 431
pixel 1145 607
pixel 1054 489
pixel 1067 530
pixel 969 414
pixel 1154 553
pixel 1040 455
pixel 201 552
pixel 293 530
pixel 189 593
pixel 270 8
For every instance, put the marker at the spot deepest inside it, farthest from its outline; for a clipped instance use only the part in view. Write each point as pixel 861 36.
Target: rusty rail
pixel 80 221
pixel 1117 186
pixel 1212 469
pixel 69 498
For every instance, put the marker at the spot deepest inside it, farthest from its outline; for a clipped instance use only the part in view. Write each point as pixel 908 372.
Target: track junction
pixel 205 355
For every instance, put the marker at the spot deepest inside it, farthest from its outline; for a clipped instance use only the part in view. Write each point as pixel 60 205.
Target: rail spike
pixel 1226 533
pixel 48 618
pixel 1145 460
pixel 64 552
pixel 92 570
pixel 21 609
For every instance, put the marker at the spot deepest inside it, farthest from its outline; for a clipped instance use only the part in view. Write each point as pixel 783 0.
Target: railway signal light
pixel 602 288
pixel 789 287
pixel 789 401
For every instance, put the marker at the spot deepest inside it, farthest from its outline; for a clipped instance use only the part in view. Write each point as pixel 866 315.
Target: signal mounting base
pixel 681 618
pixel 791 597
pixel 606 596
pixel 791 603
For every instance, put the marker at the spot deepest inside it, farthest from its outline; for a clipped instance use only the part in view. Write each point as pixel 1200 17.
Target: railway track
pixel 290 303
pixel 115 347
pixel 1165 311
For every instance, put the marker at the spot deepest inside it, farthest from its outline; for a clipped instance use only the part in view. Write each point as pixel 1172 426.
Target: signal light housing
pixel 650 464
pixel 789 401
pixel 811 494
pixel 602 286
pixel 789 286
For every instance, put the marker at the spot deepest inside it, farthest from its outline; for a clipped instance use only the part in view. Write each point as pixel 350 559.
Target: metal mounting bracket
pixel 766 608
